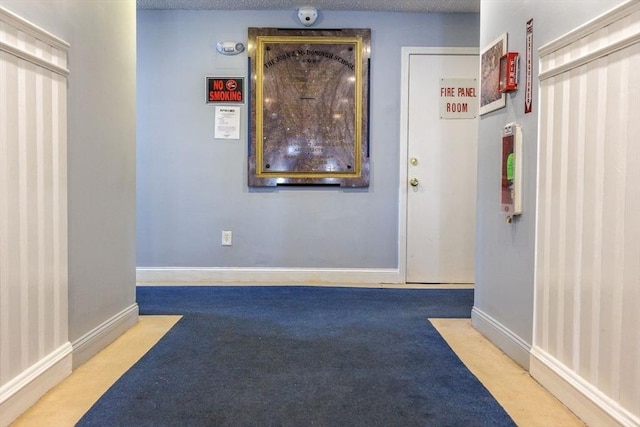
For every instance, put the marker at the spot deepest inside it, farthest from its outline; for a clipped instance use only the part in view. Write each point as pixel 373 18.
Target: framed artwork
pixel 309 107
pixel 490 96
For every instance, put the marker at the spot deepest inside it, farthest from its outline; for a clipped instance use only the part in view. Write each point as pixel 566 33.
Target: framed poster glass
pixel 490 96
pixel 309 107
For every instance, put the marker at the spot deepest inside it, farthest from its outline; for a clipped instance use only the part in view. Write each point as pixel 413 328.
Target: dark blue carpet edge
pixel 290 356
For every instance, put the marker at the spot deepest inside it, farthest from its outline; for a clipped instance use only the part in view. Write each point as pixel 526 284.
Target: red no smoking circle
pixel 232 85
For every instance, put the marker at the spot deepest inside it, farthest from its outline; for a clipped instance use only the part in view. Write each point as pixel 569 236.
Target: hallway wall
pixel 588 229
pixel 33 208
pixel 100 161
pixel 191 186
pixel 505 253
pixel 583 335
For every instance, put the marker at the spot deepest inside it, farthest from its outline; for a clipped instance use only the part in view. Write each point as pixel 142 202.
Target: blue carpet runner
pixel 300 356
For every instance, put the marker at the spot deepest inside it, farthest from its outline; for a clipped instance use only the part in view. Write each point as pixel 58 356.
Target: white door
pixel 441 172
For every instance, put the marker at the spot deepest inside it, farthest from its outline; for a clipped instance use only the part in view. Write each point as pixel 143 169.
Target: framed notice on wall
pixel 309 107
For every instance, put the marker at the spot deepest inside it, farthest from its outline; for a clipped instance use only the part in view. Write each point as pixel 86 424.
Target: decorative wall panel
pixel 587 289
pixel 33 204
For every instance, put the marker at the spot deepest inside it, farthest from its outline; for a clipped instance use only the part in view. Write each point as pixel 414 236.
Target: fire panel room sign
pixel 458 98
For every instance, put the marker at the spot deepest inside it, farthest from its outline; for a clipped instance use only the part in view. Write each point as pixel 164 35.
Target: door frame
pixel 404 141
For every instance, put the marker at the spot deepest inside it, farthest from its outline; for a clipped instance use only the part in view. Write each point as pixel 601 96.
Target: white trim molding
pixel 88 345
pixel 573 49
pixel 576 35
pixel 34 40
pixel 20 393
pixel 302 276
pixel 501 336
pixel 590 404
pixel 32 29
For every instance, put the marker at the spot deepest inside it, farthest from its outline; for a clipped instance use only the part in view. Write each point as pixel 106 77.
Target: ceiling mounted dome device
pixel 307 15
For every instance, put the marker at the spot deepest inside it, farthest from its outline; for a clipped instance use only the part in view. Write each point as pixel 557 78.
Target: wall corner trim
pixel 57 65
pixel 19 394
pixel 104 334
pixel 585 400
pixel 513 346
pixel 266 275
pixel 607 18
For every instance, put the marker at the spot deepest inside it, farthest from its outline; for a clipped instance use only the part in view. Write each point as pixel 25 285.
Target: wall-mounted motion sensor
pixel 230 48
pixel 307 15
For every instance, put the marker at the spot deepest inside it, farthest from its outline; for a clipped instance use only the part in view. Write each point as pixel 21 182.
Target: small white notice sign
pixel 227 122
pixel 458 98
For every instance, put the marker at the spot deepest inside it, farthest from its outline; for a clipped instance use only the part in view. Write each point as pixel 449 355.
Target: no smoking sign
pixel 225 90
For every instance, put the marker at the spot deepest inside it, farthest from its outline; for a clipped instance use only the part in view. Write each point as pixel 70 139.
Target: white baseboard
pixel 98 338
pixel 502 337
pixel 301 276
pixel 23 391
pixel 581 397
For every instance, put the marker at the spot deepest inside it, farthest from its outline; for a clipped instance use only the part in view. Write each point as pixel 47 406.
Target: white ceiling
pixel 419 6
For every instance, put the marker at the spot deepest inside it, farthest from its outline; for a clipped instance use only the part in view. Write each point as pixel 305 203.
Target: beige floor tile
pixel 66 403
pixel 526 401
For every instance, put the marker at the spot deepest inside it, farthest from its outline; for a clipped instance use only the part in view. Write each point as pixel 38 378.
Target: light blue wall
pixel 190 186
pixel 505 252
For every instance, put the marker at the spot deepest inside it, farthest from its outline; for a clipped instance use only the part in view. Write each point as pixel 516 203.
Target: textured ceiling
pixel 420 6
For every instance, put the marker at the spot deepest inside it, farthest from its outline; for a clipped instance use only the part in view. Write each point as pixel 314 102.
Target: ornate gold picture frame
pixel 309 100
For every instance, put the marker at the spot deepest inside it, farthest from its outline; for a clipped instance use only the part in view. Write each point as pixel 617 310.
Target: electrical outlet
pixel 227 238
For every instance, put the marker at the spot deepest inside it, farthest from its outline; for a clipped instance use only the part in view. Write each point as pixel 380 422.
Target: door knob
pixel 414 182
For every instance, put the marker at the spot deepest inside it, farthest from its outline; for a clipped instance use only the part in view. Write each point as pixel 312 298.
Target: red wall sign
pixel 528 89
pixel 225 90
